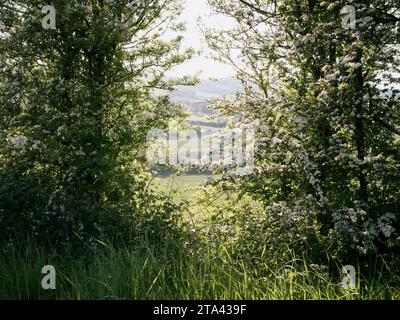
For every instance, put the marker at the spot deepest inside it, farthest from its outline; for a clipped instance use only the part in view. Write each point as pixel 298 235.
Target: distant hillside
pixel 196 98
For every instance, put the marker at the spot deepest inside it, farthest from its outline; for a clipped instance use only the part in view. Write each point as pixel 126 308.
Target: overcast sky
pixel 193 38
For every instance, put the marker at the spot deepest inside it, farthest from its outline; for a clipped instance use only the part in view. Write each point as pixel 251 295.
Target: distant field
pixel 189 188
pixel 181 187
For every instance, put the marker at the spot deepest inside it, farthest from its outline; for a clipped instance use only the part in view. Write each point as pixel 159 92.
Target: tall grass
pixel 170 272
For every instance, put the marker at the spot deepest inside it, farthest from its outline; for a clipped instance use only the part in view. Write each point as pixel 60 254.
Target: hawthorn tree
pixel 326 99
pixel 77 102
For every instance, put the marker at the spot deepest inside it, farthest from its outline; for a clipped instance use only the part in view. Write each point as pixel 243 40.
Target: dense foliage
pixel 325 99
pixel 77 102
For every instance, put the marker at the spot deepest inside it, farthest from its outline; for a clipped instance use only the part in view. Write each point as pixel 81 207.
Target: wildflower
pixel 19 142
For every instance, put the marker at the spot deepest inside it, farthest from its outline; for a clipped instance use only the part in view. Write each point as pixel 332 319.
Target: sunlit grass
pixel 170 272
